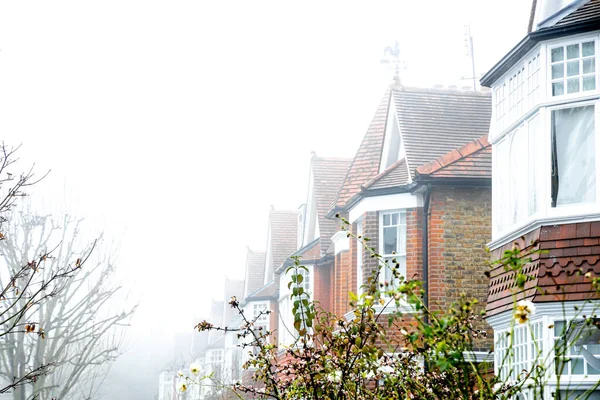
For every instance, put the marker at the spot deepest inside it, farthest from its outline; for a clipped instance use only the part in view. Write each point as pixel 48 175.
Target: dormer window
pixel 573 68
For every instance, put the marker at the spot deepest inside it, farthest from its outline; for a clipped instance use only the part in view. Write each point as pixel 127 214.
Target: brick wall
pixel 459 229
pixel 322 285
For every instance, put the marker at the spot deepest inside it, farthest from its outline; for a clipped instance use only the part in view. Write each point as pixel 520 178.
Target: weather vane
pixel 391 56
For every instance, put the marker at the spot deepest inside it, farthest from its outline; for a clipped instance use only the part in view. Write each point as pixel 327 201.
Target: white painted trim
pixel 556 310
pixel 341 241
pixel 391 123
pixel 385 203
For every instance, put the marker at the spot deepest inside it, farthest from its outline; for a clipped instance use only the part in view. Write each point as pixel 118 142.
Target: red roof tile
pixel 558 274
pixel 365 164
pixel 473 160
pixel 395 175
pixel 283 231
pixel 328 175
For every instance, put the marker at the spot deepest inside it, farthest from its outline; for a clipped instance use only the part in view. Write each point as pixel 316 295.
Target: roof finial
pixel 391 55
pixel 272 208
pixel 313 154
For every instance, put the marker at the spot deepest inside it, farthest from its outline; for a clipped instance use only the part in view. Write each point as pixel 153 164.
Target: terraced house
pixel 420 188
pixel 544 136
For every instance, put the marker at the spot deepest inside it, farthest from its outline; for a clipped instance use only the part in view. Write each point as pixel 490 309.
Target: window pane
pixel 558 71
pixel 536 178
pixel 574 162
pixel 577 394
pixel 589 82
pixel 573 68
pixel 589 66
pixel 395 219
pixel 576 366
pixel 573 85
pixel 558 89
pixel 558 54
pixel 390 239
pixel 572 51
pixel 386 219
pixel 588 49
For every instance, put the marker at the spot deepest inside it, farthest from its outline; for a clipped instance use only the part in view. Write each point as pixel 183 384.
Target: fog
pixel 172 126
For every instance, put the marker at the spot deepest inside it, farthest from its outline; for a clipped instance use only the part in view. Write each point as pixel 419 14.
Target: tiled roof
pixel 269 290
pixel 328 175
pixel 283 229
pixel 473 160
pixel 255 271
pixel 587 11
pixel 434 122
pixel 570 252
pixel 365 164
pixel 395 175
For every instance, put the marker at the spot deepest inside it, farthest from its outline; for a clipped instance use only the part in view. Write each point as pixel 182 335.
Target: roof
pixel 255 271
pixel 283 231
pixel 558 273
pixel 434 122
pixel 395 175
pixel 473 160
pixel 268 291
pixel 328 175
pixel 233 287
pixel 365 164
pixel 583 11
pixel 578 17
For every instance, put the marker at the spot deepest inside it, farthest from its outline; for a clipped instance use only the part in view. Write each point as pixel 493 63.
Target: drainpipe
pixel 427 198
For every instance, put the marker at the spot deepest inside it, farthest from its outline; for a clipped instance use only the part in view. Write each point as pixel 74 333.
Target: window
pixel 574 353
pixel 573 68
pixel 393 243
pixel 263 320
pixel 573 156
pixel 215 356
pixel 286 331
pixel 517 350
pixel 518 176
pixel 359 258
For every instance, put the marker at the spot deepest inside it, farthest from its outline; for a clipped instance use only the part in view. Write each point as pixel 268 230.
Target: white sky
pixel 174 125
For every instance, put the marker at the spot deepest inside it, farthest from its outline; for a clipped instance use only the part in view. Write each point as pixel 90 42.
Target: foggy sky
pixel 174 125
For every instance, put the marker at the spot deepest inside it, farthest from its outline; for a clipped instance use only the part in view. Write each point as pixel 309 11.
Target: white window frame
pixel 546 214
pixel 564 43
pixel 382 214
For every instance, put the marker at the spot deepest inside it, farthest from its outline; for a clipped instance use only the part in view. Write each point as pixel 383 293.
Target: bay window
pixel 546 168
pixel 392 231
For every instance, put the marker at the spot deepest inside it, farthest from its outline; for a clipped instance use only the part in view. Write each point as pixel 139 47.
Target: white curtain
pixel 573 132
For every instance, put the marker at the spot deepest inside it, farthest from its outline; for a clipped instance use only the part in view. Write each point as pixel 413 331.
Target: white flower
pixel 524 310
pixel 335 376
pixel 195 369
pixel 181 386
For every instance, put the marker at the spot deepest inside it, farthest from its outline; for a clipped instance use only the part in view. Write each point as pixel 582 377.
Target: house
pixel 315 250
pixel 546 194
pixel 261 289
pixel 419 189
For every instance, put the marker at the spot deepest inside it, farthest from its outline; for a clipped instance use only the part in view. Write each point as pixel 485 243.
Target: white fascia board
pixel 557 310
pixel 341 241
pixel 384 203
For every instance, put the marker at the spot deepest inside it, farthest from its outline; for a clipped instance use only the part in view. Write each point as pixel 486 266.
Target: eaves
pixel 529 41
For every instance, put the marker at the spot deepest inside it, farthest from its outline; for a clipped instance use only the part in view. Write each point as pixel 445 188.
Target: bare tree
pixel 81 326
